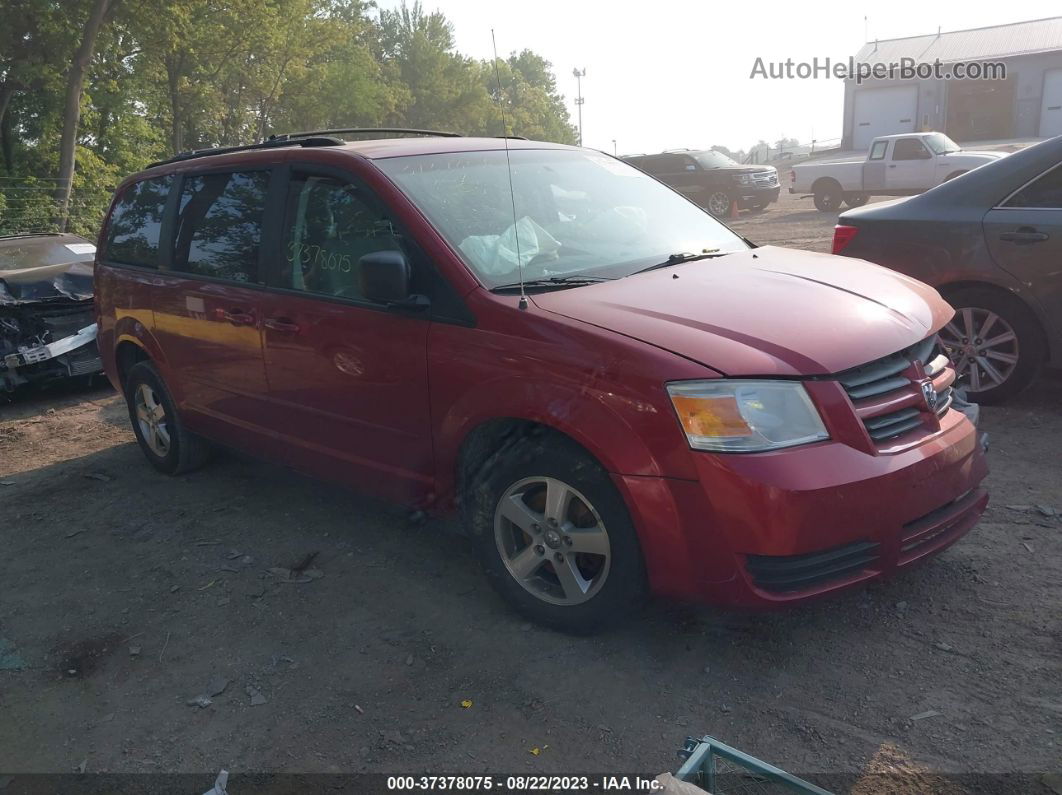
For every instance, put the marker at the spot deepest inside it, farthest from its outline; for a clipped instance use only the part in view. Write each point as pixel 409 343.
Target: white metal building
pixel 1027 104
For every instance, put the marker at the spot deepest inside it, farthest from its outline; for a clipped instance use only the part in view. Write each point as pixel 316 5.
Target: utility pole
pixel 614 152
pixel 579 75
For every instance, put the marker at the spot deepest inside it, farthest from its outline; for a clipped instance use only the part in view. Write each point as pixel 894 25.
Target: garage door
pixel 1051 110
pixel 883 111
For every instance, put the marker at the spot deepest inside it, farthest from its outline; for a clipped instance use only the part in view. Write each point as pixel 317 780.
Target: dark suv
pixel 712 180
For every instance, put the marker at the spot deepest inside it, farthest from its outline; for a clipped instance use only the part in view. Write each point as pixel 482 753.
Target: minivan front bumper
pixel 776 528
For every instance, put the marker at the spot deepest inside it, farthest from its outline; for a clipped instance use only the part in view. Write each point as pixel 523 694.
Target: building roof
pixel 998 41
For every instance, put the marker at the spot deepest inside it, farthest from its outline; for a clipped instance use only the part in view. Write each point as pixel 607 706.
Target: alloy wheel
pixel 719 204
pixel 151 417
pixel 552 540
pixel 983 347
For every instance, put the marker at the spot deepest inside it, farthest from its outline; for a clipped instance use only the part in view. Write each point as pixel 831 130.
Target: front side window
pixel 136 223
pixel 332 225
pixel 578 213
pixel 909 149
pixel 1042 193
pixel 219 225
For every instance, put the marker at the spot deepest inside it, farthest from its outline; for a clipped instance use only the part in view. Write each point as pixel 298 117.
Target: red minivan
pixel 616 392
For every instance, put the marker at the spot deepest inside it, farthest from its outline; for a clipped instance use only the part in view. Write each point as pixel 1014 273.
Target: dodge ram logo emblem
pixel 929 392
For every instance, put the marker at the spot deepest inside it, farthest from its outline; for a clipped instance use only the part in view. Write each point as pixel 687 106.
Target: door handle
pixel 236 317
pixel 892 165
pixel 1024 236
pixel 281 324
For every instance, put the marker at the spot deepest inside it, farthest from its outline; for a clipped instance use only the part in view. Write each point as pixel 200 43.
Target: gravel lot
pixel 125 593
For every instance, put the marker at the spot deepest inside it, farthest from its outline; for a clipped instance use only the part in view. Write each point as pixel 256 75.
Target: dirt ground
pixel 125 594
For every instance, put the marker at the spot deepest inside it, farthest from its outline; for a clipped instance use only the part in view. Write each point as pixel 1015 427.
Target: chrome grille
pixel 765 179
pixel 887 393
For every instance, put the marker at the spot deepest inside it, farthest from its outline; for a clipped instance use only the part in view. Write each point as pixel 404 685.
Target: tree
pixel 72 106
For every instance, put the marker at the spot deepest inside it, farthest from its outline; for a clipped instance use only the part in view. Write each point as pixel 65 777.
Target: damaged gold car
pixel 47 327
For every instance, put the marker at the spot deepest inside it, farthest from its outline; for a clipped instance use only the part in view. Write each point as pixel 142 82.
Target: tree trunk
pixel 7 91
pixel 75 81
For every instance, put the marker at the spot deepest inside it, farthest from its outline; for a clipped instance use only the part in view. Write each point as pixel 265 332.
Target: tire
pixel 953 175
pixel 828 197
pixel 605 587
pixel 854 200
pixel 719 204
pixel 162 436
pixel 1008 364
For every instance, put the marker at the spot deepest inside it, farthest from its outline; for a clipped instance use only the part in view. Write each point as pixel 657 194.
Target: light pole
pixel 579 74
pixel 614 152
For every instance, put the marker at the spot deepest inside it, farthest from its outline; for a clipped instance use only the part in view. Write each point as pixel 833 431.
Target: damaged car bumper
pixel 46 345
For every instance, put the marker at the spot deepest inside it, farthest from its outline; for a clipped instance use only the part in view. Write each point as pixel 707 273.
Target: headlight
pixel 746 416
pixel 744 179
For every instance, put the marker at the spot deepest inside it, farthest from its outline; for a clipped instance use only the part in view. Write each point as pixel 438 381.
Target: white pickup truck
pixel 895 165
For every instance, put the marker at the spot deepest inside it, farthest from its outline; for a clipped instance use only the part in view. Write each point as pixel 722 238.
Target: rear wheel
pixel 995 343
pixel 855 199
pixel 719 204
pixel 555 537
pixel 828 196
pixel 163 439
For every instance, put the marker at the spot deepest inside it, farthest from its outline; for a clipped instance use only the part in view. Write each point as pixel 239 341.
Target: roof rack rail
pixel 308 140
pixel 365 130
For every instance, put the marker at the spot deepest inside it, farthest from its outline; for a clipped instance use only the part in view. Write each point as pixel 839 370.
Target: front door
pixel 206 308
pixel 1025 238
pixel 910 166
pixel 348 383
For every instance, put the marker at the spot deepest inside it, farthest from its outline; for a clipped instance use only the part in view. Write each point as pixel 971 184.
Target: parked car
pixel 895 165
pixel 615 390
pixel 712 180
pixel 991 243
pixel 47 327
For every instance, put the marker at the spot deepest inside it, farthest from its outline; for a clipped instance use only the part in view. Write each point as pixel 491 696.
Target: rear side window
pixel 219 225
pixel 877 151
pixel 1044 193
pixel 136 223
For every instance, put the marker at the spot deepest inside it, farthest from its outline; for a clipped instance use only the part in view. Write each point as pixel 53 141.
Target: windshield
pixel 578 213
pixel 37 252
pixel 941 144
pixel 713 159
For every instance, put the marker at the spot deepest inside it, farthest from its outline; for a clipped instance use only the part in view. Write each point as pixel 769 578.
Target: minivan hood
pixel 766 311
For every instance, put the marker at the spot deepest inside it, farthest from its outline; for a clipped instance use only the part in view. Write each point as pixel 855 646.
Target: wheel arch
pixel 825 182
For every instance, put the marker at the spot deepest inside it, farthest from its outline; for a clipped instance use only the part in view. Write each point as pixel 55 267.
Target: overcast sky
pixel 668 74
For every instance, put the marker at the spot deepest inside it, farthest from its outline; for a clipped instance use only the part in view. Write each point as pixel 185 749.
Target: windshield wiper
pixel 553 281
pixel 685 256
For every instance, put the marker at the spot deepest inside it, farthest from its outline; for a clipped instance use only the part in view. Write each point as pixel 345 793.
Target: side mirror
pixel 385 276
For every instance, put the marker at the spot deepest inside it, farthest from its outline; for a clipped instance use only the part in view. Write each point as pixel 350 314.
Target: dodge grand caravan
pixel 615 392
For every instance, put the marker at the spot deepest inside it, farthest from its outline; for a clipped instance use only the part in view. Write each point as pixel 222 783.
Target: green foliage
pixel 172 75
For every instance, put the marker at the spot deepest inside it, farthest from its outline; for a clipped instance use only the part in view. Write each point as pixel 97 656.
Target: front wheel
pixel 995 343
pixel 555 537
pixel 720 204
